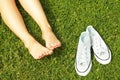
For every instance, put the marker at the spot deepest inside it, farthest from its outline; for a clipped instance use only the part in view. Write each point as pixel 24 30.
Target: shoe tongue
pixel 91 30
pixel 84 38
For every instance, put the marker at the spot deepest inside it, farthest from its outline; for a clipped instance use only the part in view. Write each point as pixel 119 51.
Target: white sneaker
pixel 101 51
pixel 83 57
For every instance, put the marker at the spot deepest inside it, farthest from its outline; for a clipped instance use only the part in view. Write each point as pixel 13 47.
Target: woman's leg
pixel 34 8
pixel 14 21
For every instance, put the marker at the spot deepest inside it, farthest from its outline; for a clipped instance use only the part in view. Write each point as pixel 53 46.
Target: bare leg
pixel 14 20
pixel 34 8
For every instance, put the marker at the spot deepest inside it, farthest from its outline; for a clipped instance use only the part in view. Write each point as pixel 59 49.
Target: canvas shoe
pixel 83 57
pixel 101 51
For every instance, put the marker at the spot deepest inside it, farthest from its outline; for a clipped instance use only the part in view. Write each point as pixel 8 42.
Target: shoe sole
pixel 84 73
pixel 102 61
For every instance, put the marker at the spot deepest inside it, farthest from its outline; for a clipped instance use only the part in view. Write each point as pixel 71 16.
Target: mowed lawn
pixel 68 19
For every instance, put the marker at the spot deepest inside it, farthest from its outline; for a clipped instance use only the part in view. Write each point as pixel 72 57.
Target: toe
pixel 45 54
pixel 50 52
pixel 50 46
pixel 41 56
pixel 57 45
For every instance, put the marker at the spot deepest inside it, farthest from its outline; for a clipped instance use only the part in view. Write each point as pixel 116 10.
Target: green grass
pixel 68 19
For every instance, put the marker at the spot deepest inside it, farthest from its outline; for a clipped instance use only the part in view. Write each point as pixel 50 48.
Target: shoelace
pixel 83 57
pixel 101 50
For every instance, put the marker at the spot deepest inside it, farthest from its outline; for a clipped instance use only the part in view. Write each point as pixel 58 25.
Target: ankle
pixel 45 28
pixel 29 42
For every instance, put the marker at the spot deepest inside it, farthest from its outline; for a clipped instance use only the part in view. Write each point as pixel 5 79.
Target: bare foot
pixel 37 50
pixel 51 41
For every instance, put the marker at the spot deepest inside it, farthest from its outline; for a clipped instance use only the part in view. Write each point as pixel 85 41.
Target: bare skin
pixel 12 17
pixel 38 15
